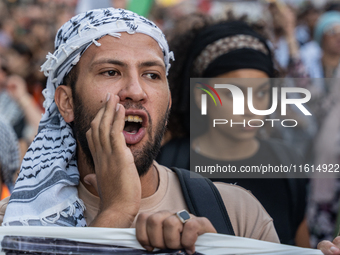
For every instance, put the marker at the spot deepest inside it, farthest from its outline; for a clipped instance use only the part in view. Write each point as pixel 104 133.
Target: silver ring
pixel 183 216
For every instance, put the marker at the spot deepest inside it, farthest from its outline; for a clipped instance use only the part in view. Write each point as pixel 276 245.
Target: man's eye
pixel 110 73
pixel 152 76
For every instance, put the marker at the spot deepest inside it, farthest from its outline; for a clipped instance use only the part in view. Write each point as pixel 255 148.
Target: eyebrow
pixel 107 61
pixel 122 64
pixel 152 63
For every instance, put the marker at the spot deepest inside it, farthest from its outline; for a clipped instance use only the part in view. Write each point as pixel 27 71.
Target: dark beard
pixel 143 158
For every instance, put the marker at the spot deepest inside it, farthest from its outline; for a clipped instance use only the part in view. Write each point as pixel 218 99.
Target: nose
pixel 132 89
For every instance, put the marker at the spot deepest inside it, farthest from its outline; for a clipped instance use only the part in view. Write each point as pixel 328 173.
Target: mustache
pixel 134 105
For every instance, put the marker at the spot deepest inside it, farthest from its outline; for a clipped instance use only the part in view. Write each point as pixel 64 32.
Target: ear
pixel 170 100
pixel 63 99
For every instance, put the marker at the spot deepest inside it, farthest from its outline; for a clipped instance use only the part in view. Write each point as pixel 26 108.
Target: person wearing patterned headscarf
pixel 92 162
pixel 9 157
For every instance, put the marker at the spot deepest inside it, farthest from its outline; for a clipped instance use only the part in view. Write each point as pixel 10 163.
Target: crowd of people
pixel 47 112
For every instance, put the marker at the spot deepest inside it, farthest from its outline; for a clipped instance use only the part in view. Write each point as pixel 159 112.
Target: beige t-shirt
pixel 247 216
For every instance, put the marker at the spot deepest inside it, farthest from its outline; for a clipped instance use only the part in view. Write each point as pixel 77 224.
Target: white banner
pixel 211 244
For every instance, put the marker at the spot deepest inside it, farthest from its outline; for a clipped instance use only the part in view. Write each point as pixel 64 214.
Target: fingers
pixel 92 134
pixel 116 134
pixel 164 230
pixel 192 229
pixel 141 233
pixel 102 123
pixel 149 229
pixel 105 122
pixel 329 248
pixel 173 228
pixel 99 134
pixel 112 121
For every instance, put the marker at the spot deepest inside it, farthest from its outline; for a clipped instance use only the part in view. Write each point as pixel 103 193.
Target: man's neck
pixel 149 181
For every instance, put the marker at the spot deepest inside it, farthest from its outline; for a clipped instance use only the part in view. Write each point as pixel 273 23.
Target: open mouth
pixel 135 126
pixel 132 124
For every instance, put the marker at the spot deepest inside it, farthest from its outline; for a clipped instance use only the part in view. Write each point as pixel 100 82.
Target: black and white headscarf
pixel 46 190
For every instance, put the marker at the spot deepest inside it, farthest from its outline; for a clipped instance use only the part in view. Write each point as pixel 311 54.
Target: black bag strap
pixel 204 200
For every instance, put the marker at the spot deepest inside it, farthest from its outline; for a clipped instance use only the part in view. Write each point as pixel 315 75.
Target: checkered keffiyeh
pixel 46 190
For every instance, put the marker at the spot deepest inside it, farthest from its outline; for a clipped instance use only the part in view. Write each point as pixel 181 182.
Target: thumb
pixel 91 180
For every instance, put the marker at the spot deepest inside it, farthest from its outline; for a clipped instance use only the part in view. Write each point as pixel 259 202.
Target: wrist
pixel 129 210
pixel 110 218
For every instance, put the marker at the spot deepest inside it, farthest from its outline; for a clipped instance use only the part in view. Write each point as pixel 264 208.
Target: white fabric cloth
pixel 46 190
pixel 212 244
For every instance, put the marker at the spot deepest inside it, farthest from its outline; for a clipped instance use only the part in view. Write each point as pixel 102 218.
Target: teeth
pixel 132 118
pixel 132 133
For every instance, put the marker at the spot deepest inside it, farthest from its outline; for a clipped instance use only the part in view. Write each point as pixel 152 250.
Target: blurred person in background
pixel 324 200
pixel 308 15
pixel 290 64
pixel 9 109
pixel 6 34
pixel 322 56
pixel 17 89
pixel 18 57
pixel 323 209
pixel 236 58
pixel 18 107
pixel 29 28
pixel 285 43
pixel 9 158
pixel 165 12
